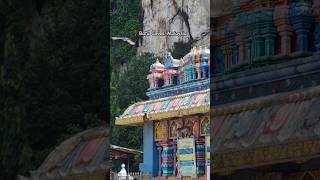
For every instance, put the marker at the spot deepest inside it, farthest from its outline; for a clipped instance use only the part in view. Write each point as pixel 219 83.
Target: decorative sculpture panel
pixel 173 128
pixel 260 29
pixel 205 126
pixel 193 66
pixel 160 131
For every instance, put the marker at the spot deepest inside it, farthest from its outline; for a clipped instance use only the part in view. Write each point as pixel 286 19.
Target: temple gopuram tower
pixel 175 119
pixel 265 95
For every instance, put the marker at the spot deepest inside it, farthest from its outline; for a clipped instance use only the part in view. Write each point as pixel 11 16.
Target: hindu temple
pixel 175 119
pixel 265 95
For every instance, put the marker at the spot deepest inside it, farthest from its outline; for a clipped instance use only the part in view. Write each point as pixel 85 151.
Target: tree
pixel 54 77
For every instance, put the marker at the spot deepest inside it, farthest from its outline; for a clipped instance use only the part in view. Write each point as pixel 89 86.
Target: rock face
pixel 191 18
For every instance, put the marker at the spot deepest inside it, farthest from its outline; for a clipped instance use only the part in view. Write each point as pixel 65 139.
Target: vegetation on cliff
pixel 53 77
pixel 128 82
pixel 129 71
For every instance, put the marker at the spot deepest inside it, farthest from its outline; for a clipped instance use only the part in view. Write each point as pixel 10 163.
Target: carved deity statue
pixel 197 61
pixel 184 132
pixel 188 58
pixel 168 60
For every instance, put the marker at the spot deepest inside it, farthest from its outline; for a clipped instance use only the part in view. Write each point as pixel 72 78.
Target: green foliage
pixel 180 49
pixel 128 75
pixel 9 46
pixel 130 86
pixel 53 78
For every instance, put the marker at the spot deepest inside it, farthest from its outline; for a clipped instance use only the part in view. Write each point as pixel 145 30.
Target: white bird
pixel 124 39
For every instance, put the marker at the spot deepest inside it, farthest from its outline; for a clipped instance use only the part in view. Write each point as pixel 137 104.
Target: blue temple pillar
pixel 270 34
pixel 259 45
pixel 256 41
pixel 243 37
pixel 302 40
pixel 150 153
pixel 235 49
pixel 269 45
pixel 301 20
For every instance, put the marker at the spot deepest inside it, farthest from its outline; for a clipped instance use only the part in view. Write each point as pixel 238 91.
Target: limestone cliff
pixel 190 17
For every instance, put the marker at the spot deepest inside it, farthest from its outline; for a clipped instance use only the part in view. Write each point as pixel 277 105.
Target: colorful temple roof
pixel 263 130
pixel 173 106
pixel 177 88
pixel 83 155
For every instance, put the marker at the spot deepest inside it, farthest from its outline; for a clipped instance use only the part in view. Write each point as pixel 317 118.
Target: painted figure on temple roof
pixel 189 66
pixel 156 75
pixel 171 66
pixel 197 56
pixel 181 74
pixel 204 65
pixel 193 66
pixel 188 58
pixel 170 62
pixel 190 72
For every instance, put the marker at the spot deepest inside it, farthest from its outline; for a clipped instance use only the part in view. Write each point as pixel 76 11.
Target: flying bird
pixel 124 39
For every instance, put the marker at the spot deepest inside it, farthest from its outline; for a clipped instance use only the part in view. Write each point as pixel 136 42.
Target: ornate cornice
pixel 224 162
pixel 197 102
pixel 197 85
pixel 271 100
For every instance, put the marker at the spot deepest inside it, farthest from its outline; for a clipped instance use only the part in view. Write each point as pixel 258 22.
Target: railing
pixel 131 176
pixel 123 175
pixel 136 175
